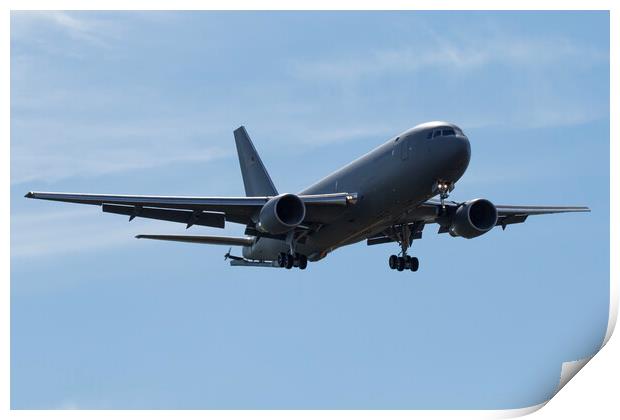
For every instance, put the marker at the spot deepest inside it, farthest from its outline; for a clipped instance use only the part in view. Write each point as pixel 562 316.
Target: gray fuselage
pixel 390 180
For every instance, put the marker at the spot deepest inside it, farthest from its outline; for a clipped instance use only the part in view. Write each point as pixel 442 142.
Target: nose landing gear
pixel 443 188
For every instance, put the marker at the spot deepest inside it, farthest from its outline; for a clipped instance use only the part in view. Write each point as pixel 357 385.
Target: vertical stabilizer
pixel 255 177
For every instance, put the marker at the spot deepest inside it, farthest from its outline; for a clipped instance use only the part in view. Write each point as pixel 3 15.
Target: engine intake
pixel 473 218
pixel 281 214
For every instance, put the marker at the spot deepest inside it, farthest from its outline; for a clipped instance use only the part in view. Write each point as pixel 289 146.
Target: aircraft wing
pixel 431 212
pixel 206 211
pixel 506 214
pixel 509 214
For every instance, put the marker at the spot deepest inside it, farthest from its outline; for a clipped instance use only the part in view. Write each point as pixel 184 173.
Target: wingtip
pixel 139 236
pixel 29 194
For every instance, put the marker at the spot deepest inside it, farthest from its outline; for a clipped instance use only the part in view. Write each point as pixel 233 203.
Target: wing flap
pixel 196 217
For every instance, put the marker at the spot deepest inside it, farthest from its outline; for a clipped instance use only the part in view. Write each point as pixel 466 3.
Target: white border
pixel 569 369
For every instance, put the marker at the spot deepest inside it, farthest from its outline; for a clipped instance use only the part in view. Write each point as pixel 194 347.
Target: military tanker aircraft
pixel 387 195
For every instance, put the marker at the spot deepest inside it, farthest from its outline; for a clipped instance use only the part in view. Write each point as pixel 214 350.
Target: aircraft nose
pixel 457 155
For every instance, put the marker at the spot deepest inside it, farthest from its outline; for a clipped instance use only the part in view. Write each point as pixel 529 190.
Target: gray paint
pixel 389 180
pixel 386 190
pixel 256 180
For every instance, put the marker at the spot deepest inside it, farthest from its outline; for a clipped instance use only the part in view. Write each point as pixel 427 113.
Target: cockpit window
pixel 444 131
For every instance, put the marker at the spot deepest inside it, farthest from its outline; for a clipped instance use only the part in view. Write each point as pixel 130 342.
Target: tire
pixel 303 262
pixel 290 261
pixel 401 264
pixel 281 259
pixel 415 264
pixel 393 262
pixel 407 262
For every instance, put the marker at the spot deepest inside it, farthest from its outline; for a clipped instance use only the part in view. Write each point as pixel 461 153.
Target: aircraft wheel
pixel 415 264
pixel 401 264
pixel 281 259
pixel 303 262
pixel 289 261
pixel 407 262
pixel 393 261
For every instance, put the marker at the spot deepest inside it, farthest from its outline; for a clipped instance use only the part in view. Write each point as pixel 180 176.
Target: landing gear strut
pixel 288 260
pixel 403 261
pixel 292 259
pixel 444 188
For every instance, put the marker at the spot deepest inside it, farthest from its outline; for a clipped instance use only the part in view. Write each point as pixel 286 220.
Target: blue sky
pixel 146 103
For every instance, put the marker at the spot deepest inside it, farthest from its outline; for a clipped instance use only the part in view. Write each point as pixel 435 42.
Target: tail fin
pixel 255 177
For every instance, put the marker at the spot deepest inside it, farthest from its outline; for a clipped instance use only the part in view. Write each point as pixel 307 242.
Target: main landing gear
pixel 288 261
pixel 291 258
pixel 403 261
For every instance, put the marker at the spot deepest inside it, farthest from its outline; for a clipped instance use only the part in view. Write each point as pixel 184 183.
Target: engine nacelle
pixel 281 214
pixel 473 218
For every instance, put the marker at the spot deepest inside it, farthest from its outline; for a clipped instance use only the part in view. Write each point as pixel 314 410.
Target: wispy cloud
pixel 50 166
pixel 332 133
pixel 48 151
pixel 78 28
pixel 30 26
pixel 77 229
pixel 514 73
pixel 61 131
pixel 63 231
pixel 468 53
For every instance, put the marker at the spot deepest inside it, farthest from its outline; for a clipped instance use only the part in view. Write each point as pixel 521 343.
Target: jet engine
pixel 473 218
pixel 281 214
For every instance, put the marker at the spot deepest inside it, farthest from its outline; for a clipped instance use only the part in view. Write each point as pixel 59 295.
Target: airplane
pixel 387 195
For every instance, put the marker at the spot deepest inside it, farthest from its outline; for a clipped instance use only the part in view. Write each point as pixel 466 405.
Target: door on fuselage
pixel 404 148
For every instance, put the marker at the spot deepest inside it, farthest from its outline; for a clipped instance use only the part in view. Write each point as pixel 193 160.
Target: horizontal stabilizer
pixel 213 240
pixel 246 263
